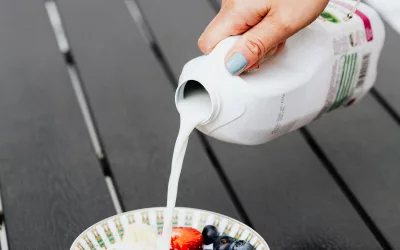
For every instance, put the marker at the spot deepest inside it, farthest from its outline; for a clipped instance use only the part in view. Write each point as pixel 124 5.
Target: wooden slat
pixel 388 80
pixel 133 104
pixel 178 35
pixel 289 196
pixel 363 142
pixel 52 184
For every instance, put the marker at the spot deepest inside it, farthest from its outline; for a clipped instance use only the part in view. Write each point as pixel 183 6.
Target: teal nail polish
pixel 236 63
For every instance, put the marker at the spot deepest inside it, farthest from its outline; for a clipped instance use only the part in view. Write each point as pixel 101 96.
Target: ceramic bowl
pixel 106 233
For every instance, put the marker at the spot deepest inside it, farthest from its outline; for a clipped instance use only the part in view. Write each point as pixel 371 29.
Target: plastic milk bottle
pixel 330 64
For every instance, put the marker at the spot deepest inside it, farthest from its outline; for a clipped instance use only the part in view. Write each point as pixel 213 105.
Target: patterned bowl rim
pixel 180 208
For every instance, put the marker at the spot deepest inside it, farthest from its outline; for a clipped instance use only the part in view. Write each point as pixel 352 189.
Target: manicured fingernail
pixel 236 63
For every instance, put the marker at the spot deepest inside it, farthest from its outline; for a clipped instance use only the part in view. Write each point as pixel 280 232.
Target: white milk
pixel 194 108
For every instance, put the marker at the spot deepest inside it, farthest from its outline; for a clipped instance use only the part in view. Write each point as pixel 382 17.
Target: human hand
pixel 265 25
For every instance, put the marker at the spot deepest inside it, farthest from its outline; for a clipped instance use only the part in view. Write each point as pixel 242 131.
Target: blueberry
pixel 210 234
pixel 223 243
pixel 241 245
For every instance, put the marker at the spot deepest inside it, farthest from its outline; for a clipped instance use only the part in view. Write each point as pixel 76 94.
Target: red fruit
pixel 186 238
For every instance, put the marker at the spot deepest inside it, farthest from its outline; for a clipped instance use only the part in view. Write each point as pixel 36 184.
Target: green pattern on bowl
pixel 108 232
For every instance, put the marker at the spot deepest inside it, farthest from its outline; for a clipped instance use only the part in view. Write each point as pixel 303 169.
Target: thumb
pixel 256 43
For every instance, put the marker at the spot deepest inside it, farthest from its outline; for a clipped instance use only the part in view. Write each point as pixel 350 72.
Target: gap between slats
pixel 76 82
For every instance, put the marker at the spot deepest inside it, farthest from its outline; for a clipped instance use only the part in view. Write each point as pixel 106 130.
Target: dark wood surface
pixel 51 183
pixel 291 200
pixel 388 81
pixel 133 105
pixel 363 142
pixel 53 186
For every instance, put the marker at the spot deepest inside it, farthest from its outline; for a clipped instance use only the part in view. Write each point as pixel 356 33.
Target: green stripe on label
pixel 350 80
pixel 346 86
pixel 343 85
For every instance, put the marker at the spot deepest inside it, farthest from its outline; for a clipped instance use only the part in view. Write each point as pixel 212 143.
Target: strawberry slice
pixel 186 238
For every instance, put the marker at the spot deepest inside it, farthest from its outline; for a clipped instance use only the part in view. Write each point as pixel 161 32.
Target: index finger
pixel 224 24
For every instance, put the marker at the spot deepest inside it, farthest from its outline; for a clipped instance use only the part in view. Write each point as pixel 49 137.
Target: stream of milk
pixel 193 110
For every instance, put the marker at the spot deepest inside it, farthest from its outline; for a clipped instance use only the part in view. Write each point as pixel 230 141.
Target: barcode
pixel 364 69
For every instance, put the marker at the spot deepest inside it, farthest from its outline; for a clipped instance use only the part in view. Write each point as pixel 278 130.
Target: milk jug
pixel 328 65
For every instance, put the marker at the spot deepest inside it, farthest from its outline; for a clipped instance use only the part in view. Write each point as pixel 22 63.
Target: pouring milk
pixel 194 108
pixel 328 65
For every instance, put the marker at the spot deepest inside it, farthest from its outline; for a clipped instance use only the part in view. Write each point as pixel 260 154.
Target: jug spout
pixel 207 75
pixel 192 88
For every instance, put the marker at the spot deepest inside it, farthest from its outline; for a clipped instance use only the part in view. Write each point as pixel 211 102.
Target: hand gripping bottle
pixel 330 64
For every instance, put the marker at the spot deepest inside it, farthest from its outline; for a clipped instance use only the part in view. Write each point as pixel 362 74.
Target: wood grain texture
pixel 133 104
pixel 52 185
pixel 290 198
pixel 388 80
pixel 363 142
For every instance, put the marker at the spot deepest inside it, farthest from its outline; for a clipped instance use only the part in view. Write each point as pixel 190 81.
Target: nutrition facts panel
pixel 88 125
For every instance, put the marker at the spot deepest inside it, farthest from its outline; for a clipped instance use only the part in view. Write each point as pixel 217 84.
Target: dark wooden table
pixel 92 116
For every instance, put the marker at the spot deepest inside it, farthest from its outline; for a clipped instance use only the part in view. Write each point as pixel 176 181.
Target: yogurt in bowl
pixel 110 233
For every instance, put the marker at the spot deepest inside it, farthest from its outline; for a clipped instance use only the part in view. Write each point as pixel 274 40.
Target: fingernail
pixel 236 63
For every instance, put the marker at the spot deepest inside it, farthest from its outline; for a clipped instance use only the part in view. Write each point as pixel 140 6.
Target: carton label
pixel 350 68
